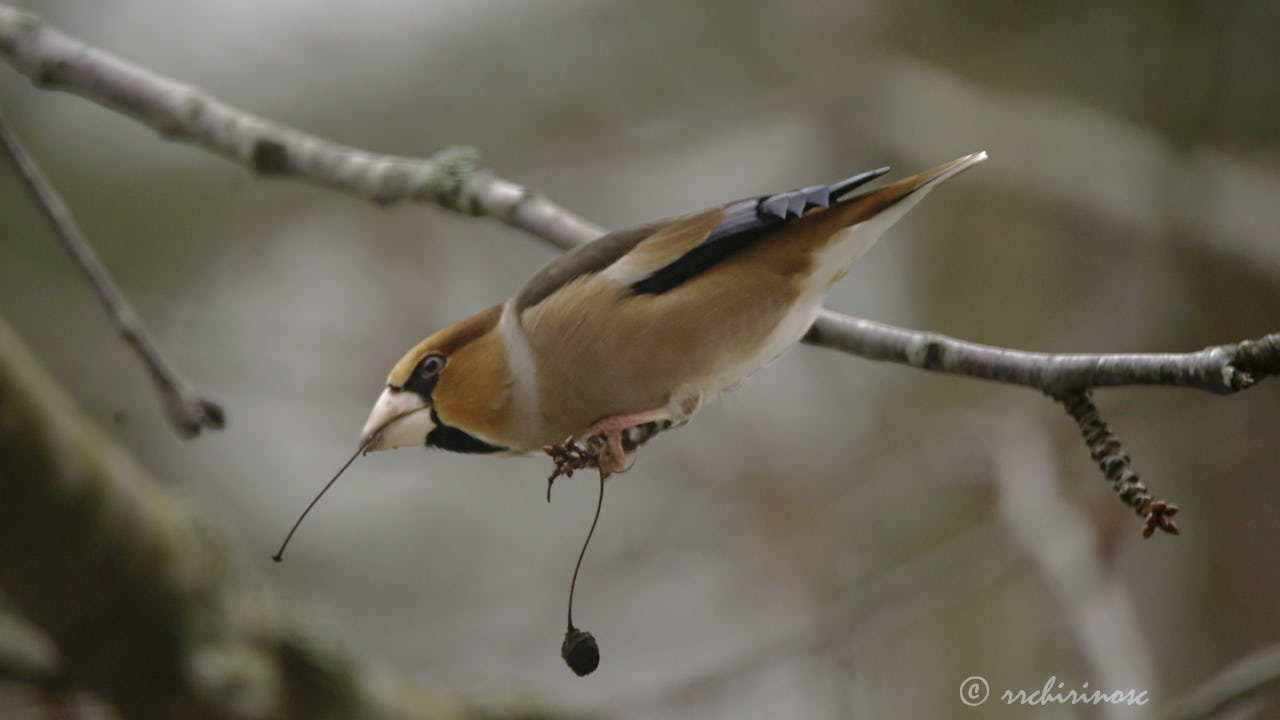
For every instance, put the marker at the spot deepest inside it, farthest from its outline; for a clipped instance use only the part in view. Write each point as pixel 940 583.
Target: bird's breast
pixel 600 350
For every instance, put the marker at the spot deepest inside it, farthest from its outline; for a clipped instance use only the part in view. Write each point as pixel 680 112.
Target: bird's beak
pixel 399 418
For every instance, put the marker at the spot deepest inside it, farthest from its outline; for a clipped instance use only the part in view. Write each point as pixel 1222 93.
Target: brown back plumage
pixel 584 259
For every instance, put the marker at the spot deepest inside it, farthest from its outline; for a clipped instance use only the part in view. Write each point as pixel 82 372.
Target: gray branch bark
pixel 1220 369
pixel 454 180
pixel 451 178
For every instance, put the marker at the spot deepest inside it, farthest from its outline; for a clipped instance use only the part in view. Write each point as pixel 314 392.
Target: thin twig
pixel 186 410
pixel 1109 454
pixel 1058 537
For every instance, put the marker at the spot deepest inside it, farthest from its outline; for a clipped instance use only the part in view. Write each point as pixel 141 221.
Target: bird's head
pixel 448 391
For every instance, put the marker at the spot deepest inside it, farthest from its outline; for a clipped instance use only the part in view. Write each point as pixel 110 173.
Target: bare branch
pixel 179 112
pixel 1221 369
pixel 188 412
pixel 452 179
pixel 1238 683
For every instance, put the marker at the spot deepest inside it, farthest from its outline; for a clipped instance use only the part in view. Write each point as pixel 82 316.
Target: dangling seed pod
pixel 580 651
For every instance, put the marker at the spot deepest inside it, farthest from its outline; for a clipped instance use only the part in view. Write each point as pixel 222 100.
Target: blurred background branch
pixel 147 605
pixel 188 412
pixel 1233 690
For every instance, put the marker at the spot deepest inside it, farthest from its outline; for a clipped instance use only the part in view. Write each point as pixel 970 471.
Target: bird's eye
pixel 432 365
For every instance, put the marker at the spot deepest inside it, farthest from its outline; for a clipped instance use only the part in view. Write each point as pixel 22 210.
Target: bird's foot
pixel 609 434
pixel 607 443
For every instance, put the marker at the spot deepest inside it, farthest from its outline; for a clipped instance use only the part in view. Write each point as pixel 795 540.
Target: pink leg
pixel 611 428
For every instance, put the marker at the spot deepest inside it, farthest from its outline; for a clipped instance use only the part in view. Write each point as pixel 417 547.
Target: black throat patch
pixel 455 440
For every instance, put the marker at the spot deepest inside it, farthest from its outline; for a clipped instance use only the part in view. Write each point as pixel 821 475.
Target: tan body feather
pixel 604 351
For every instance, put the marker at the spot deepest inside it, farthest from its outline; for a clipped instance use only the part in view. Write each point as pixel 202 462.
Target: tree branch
pixel 453 179
pixel 143 602
pixel 179 112
pixel 1106 450
pixel 1220 369
pixel 187 411
pixel 1236 684
pixel 1056 534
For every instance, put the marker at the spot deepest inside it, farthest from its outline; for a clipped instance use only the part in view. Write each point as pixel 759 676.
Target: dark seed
pixel 580 651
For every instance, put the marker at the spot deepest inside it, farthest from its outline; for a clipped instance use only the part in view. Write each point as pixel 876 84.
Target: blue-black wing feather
pixel 745 222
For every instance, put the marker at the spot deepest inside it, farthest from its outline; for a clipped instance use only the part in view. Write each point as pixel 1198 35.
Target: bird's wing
pixel 659 256
pixel 655 270
pixel 583 260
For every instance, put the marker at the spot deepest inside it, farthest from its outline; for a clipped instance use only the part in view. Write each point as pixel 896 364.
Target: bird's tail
pixel 893 200
pixel 854 221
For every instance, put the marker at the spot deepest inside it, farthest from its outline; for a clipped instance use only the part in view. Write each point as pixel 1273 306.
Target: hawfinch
pixel 638 327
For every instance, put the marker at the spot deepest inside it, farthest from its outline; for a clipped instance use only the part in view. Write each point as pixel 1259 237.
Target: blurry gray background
pixel 837 537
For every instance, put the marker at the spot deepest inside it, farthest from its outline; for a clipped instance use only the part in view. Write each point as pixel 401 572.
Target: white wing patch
pixel 627 270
